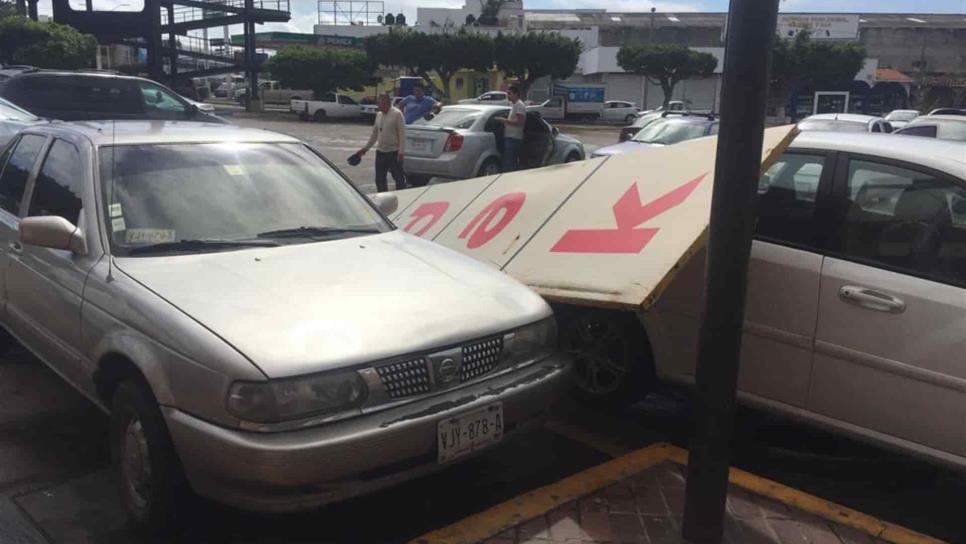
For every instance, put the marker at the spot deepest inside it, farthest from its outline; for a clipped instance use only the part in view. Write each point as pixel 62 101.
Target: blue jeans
pixel 511 154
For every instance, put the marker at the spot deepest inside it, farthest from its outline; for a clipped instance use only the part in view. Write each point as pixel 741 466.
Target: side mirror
pixel 386 202
pixel 54 232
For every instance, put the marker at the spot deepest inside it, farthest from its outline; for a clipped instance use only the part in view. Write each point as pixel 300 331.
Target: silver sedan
pixel 257 329
pixel 464 141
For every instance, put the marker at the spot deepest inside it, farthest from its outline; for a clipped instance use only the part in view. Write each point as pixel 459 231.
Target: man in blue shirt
pixel 417 105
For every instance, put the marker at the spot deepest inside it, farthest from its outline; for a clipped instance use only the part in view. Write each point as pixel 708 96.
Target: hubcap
pixel 598 354
pixel 490 169
pixel 136 465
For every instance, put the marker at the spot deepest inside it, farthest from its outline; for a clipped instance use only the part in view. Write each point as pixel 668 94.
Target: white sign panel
pixel 821 26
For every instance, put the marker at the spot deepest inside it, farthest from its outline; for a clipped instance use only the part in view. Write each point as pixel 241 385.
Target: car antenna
pixel 110 203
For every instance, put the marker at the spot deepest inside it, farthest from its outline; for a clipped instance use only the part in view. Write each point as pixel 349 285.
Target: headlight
pixel 281 400
pixel 531 341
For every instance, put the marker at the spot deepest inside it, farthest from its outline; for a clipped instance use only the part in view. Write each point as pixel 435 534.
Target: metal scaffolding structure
pixel 351 12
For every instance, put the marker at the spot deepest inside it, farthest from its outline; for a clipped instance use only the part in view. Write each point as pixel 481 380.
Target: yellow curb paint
pixel 822 508
pixel 538 502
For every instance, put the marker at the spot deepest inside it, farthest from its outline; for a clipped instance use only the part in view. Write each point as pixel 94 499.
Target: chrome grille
pixel 480 358
pixel 406 378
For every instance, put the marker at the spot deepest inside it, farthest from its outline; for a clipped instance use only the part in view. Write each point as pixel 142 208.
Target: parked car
pixel 673 105
pixel 668 130
pixel 13 119
pixel 464 141
pixel 225 89
pixel 558 108
pixel 944 127
pixel 899 118
pixel 642 121
pixel 271 92
pixel 76 96
pixel 845 122
pixel 331 106
pixel 202 106
pixel 493 98
pixel 619 111
pixel 234 303
pixel 856 297
pixel 948 111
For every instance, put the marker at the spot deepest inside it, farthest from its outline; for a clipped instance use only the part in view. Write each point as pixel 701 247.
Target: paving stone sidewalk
pixel 647 508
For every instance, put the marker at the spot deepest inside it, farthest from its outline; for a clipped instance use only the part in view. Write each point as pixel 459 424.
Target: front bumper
pixel 308 468
pixel 453 165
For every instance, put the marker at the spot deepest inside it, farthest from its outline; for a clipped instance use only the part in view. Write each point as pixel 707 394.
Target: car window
pixel 952 130
pixel 13 180
pixel 57 190
pixel 94 96
pixel 786 203
pixel 157 98
pixel 328 97
pixel 928 131
pixel 451 118
pixel 905 219
pixel 347 100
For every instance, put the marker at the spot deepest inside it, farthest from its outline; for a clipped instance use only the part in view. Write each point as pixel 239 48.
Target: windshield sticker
pixel 117 224
pixel 149 236
pixel 116 210
pixel 235 169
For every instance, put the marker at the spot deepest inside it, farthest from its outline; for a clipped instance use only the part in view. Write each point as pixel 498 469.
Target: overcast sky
pixel 304 12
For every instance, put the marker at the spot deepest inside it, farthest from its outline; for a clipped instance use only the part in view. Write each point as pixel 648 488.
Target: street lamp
pixel 650 35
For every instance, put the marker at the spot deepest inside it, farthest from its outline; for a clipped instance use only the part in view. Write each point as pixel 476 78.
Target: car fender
pixel 485 156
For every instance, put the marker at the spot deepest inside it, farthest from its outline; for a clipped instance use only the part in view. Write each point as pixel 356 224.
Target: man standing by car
pixel 513 133
pixel 389 137
pixel 417 105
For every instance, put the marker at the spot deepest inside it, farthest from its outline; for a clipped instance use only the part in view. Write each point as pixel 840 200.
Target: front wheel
pixel 612 359
pixel 149 473
pixel 413 180
pixel 490 167
pixel 319 116
pixel 573 157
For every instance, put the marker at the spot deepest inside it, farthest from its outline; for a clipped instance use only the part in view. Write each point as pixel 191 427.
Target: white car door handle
pixel 871 299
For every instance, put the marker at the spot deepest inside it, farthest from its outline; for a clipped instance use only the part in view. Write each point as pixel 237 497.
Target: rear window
pixel 451 118
pixel 72 93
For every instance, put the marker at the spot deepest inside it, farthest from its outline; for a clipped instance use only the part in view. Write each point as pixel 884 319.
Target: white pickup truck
pixel 271 92
pixel 332 106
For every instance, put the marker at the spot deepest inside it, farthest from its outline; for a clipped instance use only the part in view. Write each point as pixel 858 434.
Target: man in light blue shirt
pixel 417 105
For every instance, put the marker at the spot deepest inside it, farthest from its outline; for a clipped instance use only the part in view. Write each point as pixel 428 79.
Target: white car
pixel 900 118
pixel 856 298
pixel 492 98
pixel 332 106
pixel 618 111
pixel 844 122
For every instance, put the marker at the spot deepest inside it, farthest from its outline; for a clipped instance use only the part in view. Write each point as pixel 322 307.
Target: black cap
pixel 354 159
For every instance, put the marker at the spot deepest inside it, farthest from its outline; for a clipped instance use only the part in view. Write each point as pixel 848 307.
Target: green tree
pixel 45 45
pixel 8 8
pixel 321 70
pixel 800 59
pixel 666 64
pixel 533 55
pixel 423 54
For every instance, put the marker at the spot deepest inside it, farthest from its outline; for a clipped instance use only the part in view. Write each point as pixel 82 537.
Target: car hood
pixel 304 308
pixel 622 147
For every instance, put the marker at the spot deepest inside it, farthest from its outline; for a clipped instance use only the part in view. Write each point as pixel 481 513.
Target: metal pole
pixel 751 32
pixel 155 62
pixel 21 8
pixel 32 9
pixel 172 44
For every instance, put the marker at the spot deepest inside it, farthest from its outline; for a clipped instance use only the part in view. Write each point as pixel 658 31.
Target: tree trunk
pixel 668 88
pixel 445 78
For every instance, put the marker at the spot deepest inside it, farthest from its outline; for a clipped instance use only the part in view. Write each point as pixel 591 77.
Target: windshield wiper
pixel 200 245
pixel 309 232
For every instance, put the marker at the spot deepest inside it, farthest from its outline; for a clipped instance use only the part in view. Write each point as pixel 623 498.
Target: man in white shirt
pixel 389 137
pixel 513 131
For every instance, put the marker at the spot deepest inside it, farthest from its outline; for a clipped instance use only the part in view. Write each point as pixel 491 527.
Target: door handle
pixel 15 247
pixel 871 299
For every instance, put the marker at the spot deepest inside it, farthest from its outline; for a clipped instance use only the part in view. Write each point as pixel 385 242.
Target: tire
pixel 152 484
pixel 490 167
pixel 417 181
pixel 573 157
pixel 319 116
pixel 613 365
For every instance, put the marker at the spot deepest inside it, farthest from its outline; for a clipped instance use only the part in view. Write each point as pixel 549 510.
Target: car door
pixel 18 164
pixel 892 309
pixel 44 285
pixel 782 292
pixel 349 107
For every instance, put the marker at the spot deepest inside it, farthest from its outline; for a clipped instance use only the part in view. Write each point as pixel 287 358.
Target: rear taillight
pixel 454 142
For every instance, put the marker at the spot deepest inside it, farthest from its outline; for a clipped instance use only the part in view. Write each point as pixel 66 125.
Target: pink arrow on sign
pixel 629 213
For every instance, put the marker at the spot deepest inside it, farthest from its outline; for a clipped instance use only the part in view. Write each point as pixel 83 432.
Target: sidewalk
pixel 639 498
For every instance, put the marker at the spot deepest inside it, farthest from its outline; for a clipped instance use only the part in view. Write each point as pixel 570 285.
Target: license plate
pixel 464 434
pixel 419 145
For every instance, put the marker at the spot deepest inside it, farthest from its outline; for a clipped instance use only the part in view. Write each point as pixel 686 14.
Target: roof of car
pixel 36 72
pixel 926 119
pixel 946 155
pixel 478 107
pixel 847 117
pixel 145 132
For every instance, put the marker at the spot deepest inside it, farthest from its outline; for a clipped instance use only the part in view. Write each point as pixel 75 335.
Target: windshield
pixel 902 116
pixel 833 125
pixel 454 118
pixel 15 113
pixel 164 193
pixel 670 132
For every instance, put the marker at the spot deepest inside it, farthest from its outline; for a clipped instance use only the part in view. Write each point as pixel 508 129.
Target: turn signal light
pixel 454 142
